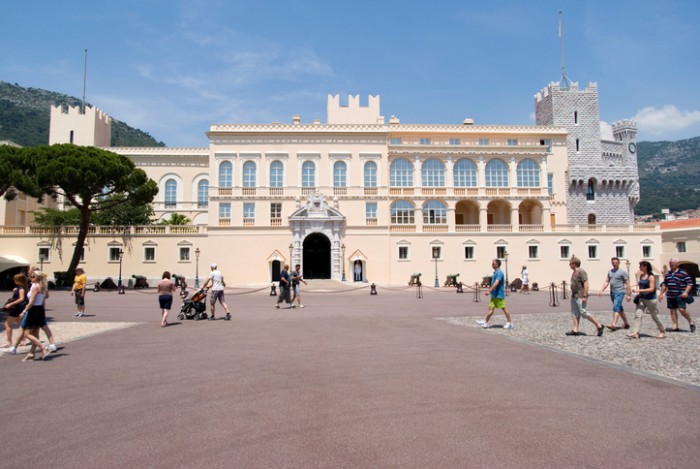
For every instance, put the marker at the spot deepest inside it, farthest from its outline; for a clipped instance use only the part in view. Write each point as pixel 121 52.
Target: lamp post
pixel 291 252
pixel 343 260
pixel 120 287
pixel 436 256
pixel 505 256
pixel 627 263
pixel 196 267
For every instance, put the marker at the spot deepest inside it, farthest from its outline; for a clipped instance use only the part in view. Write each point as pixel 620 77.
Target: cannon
pixel 140 281
pixel 451 280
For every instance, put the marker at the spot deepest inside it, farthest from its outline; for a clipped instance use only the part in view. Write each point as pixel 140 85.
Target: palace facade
pixel 387 198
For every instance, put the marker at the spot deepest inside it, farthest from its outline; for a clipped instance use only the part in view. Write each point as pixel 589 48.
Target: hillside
pixel 668 176
pixel 25 112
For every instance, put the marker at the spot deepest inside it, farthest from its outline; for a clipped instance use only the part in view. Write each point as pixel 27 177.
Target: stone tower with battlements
pixel 602 175
pixel 88 127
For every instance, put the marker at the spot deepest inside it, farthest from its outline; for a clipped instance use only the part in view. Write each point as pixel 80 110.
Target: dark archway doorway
pixel 317 256
pixel 276 269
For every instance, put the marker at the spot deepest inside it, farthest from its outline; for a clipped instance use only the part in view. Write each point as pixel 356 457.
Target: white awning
pixel 8 261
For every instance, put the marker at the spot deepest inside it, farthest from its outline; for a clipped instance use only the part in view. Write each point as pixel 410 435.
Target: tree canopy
pixel 90 178
pixel 176 219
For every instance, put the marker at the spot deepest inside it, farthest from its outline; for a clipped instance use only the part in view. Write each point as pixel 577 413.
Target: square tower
pixel 88 127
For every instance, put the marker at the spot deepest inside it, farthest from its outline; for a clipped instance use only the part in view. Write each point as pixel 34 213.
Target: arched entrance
pixel 317 256
pixel 276 269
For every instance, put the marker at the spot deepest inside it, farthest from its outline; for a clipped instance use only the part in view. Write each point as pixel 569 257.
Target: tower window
pixel 578 145
pixel 590 190
pixel 575 117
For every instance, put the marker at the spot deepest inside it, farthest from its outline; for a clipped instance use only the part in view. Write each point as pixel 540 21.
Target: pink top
pixel 166 287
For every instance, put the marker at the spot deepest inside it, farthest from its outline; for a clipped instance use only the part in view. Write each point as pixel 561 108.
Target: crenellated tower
pixel 87 126
pixel 602 176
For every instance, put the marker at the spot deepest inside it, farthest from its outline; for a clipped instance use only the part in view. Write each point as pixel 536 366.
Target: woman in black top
pixel 647 301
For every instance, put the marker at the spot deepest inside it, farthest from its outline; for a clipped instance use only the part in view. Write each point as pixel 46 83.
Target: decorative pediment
pixel 316 206
pixel 275 256
pixel 357 256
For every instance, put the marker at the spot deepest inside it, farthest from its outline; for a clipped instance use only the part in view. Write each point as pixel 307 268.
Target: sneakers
pixel 45 353
pixel 294 306
pixel 228 316
pixel 11 350
pixel 301 306
pixel 52 347
pixel 483 323
pixel 570 333
pixel 692 327
pixel 212 318
pixel 77 314
pixel 508 326
pixel 600 330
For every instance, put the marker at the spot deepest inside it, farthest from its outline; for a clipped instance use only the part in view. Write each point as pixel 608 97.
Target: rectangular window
pixel 425 141
pixel 249 210
pixel 593 252
pixel 512 141
pixel 547 143
pixel 114 254
pixel 149 254
pixel 550 183
pixel 469 252
pixel 184 254
pixel 646 251
pixel 44 254
pixel 501 252
pixel 225 210
pixel 484 141
pixel 371 210
pixel 533 252
pixel 455 141
pixel 680 246
pixel 620 252
pixel 395 141
pixel 275 210
pixel 564 252
pixel 403 252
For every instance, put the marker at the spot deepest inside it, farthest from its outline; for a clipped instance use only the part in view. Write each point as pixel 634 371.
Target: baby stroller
pixel 194 307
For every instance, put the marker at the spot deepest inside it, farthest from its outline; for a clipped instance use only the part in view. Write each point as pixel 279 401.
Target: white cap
pixel 213 265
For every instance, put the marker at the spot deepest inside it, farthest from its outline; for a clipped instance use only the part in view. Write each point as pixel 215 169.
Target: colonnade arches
pixel 499 212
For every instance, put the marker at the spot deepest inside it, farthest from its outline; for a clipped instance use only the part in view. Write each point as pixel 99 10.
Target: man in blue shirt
pixel 498 296
pixel 677 286
pixel 285 284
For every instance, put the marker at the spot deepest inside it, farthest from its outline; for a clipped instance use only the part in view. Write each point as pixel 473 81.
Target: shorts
pixel 296 289
pixel 15 311
pixel 166 301
pixel 617 297
pixel 497 303
pixel 577 308
pixel 79 298
pixel 217 295
pixel 675 302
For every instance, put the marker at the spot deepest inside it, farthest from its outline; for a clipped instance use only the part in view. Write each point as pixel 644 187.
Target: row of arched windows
pixel 400 173
pixel 171 193
pixel 434 213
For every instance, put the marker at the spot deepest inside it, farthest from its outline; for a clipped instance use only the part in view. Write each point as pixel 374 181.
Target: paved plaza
pixel 353 381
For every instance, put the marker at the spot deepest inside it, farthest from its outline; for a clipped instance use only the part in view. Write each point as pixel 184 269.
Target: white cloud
pixel 606 132
pixel 658 121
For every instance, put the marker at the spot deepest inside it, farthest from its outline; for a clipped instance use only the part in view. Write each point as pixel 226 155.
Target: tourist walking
pixel 166 287
pixel 579 299
pixel 620 290
pixel 216 280
pixel 646 301
pixel 78 290
pixel 15 306
pixel 34 317
pixel 526 280
pixel 677 287
pixel 297 278
pixel 498 296
pixel 285 283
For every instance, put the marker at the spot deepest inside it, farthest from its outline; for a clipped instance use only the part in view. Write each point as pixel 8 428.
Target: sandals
pixel 614 328
pixel 632 335
pixel 661 336
pixel 29 357
pixel 572 333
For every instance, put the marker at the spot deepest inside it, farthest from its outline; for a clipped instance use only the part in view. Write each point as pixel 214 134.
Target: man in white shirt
pixel 216 279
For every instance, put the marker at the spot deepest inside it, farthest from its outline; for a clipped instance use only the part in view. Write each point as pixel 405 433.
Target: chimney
pixel 296 119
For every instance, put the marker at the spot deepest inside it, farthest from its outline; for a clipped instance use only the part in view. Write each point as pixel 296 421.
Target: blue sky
pixel 173 67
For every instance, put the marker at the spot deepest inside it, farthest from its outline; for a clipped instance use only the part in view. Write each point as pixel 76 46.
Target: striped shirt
pixel 676 282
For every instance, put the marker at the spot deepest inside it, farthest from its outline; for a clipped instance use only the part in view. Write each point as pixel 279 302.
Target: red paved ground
pixel 352 380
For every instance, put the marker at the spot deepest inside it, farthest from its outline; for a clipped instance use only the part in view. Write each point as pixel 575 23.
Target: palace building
pixel 392 198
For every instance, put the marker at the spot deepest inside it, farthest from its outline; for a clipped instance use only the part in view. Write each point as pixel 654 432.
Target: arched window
pixel 170 193
pixel 203 193
pixel 340 170
pixel 226 174
pixel 528 174
pixel 249 174
pixel 465 173
pixel 433 173
pixel 496 173
pixel 276 174
pixel 402 213
pixel 401 173
pixel 434 213
pixel 590 190
pixel 591 219
pixel 370 174
pixel 308 174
